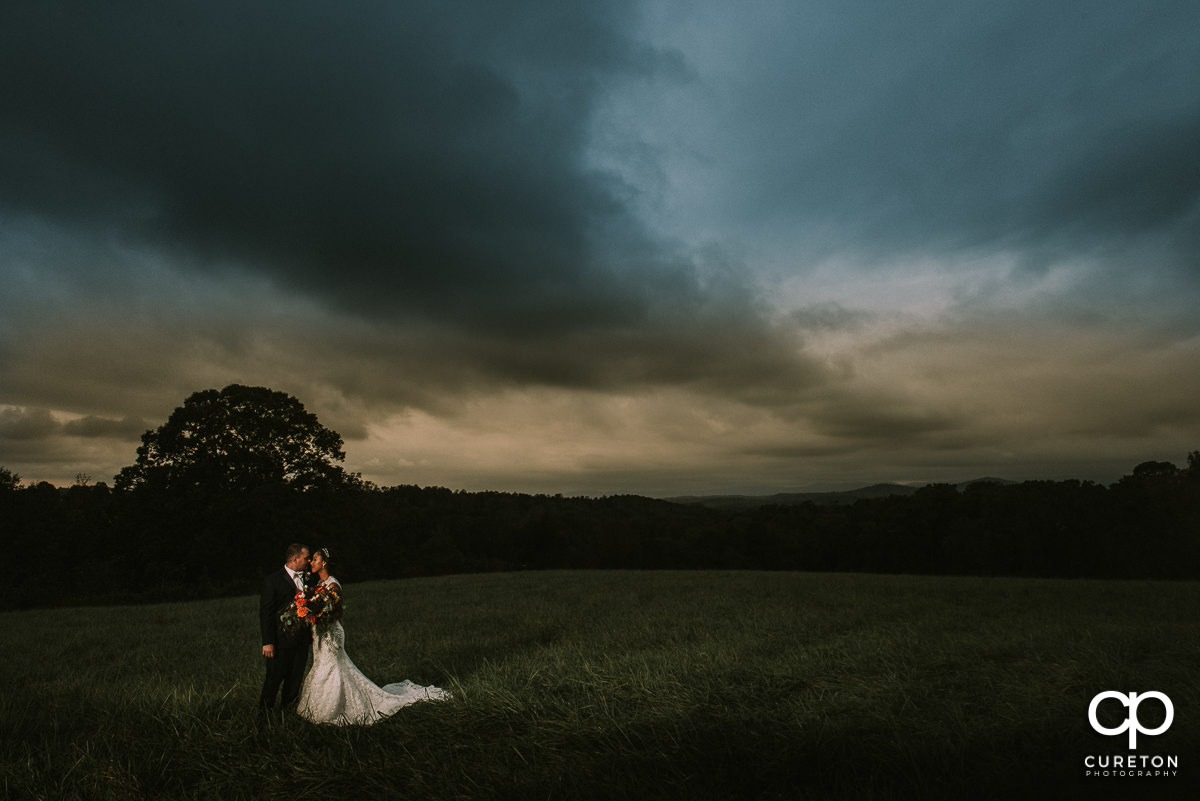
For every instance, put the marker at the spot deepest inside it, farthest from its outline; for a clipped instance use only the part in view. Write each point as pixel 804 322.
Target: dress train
pixel 335 691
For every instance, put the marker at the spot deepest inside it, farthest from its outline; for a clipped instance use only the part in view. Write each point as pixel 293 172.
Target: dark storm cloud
pixel 625 239
pixel 92 426
pixel 935 127
pixel 27 424
pixel 424 166
pixel 39 424
pixel 1134 181
pixel 416 159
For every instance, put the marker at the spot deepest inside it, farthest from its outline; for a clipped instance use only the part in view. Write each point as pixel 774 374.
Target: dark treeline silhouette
pixel 95 544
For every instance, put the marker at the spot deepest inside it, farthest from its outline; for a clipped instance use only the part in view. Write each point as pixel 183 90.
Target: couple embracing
pixel 334 691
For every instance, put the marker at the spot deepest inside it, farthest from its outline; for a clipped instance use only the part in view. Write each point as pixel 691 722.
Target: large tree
pixel 238 438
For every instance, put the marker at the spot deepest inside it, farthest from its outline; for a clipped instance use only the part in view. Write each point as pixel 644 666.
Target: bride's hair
pixel 330 561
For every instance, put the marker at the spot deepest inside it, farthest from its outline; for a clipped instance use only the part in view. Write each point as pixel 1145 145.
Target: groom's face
pixel 299 562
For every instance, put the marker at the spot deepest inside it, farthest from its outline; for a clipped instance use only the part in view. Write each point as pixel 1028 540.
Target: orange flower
pixel 301 612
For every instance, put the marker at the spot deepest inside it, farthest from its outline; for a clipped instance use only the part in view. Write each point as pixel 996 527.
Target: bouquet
pixel 295 615
pixel 314 607
pixel 322 606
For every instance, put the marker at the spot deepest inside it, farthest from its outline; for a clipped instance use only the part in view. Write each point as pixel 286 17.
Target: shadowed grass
pixel 618 685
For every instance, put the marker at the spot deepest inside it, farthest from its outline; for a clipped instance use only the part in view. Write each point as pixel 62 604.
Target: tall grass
pixel 697 685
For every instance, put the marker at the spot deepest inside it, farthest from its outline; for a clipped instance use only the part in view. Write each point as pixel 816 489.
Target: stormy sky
pixel 651 247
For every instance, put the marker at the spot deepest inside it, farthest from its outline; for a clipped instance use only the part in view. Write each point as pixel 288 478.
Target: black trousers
pixel 285 669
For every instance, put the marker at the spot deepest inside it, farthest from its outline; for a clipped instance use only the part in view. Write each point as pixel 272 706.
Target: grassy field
pixel 688 685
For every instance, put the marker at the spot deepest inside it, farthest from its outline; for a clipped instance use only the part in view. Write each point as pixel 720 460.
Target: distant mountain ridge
pixel 833 498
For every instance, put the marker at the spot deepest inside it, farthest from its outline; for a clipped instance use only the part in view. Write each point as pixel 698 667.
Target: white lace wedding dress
pixel 336 692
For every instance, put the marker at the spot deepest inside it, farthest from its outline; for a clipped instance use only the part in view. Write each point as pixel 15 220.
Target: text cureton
pixel 1130 761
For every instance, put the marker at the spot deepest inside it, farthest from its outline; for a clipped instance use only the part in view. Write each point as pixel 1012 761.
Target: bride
pixel 335 691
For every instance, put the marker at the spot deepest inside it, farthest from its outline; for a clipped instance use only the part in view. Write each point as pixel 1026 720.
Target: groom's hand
pixel 269 651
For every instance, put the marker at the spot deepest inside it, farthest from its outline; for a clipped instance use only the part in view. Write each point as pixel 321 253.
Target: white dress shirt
pixel 297 578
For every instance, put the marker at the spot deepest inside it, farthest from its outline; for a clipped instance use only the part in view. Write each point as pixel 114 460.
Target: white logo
pixel 1131 723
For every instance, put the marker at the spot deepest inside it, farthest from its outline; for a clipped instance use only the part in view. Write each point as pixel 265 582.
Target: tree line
pixel 92 543
pixel 216 529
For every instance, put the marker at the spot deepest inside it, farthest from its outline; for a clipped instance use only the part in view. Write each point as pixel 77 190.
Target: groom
pixel 286 653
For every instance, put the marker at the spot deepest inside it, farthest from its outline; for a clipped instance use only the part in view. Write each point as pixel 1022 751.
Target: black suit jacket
pixel 277 592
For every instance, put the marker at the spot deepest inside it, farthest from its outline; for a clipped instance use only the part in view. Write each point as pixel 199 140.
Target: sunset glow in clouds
pixel 651 247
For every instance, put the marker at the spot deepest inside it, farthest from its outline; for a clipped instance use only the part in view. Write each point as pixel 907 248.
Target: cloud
pixel 934 129
pixel 39 425
pixel 36 443
pixel 425 171
pixel 27 424
pixel 93 427
pixel 668 243
pixel 420 161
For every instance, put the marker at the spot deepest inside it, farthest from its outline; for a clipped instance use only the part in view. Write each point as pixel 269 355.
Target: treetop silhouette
pixel 238 438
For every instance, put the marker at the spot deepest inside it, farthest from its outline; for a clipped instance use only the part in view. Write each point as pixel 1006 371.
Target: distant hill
pixel 962 485
pixel 839 498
